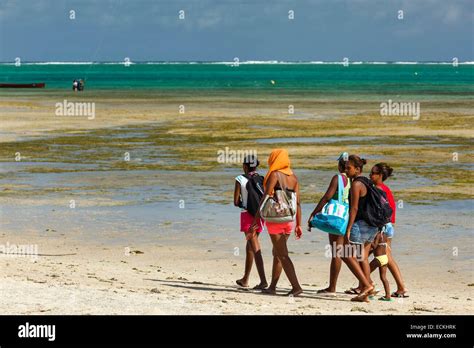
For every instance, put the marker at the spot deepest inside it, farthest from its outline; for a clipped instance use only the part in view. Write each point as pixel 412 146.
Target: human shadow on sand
pixel 201 286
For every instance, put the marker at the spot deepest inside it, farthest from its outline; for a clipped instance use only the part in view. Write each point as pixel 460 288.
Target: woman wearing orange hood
pixel 281 177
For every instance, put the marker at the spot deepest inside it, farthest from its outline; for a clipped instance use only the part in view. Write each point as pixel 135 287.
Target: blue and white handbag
pixel 334 216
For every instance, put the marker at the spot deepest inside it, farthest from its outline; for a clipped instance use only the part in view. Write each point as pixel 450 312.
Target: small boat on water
pixel 23 85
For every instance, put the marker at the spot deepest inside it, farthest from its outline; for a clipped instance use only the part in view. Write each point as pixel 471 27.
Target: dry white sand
pixel 182 280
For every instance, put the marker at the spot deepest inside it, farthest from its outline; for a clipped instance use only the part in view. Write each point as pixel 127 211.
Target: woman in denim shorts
pixel 359 235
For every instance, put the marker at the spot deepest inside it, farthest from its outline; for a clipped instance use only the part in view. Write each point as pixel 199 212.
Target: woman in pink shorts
pixel 280 173
pixel 247 194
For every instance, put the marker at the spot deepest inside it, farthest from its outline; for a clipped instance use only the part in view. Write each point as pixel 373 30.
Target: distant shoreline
pixel 247 62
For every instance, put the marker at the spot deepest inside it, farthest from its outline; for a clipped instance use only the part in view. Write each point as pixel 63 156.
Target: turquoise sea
pixel 438 79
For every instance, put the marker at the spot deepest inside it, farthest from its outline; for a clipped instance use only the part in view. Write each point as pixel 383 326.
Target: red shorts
pixel 280 227
pixel 246 220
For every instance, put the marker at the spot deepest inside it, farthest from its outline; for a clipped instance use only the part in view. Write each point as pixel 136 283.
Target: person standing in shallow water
pixel 243 199
pixel 335 241
pixel 281 177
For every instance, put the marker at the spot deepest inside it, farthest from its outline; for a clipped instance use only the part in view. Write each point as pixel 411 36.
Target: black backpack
pixel 255 191
pixel 377 211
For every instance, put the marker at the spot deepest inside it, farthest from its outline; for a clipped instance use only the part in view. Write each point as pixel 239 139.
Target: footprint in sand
pixel 360 309
pixel 421 309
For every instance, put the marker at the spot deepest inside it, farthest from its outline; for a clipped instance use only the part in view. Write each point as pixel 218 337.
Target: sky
pixel 213 30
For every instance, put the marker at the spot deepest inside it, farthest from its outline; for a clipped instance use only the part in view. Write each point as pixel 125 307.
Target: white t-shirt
pixel 242 180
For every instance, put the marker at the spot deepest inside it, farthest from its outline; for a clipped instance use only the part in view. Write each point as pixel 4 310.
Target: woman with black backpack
pixel 360 233
pixel 247 195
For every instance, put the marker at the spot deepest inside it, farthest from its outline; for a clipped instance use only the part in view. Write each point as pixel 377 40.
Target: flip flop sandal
pixel 385 299
pixel 268 291
pixel 352 291
pixel 291 293
pixel 239 283
pixel 325 292
pixel 397 295
pixel 259 287
pixel 360 298
pixel 374 292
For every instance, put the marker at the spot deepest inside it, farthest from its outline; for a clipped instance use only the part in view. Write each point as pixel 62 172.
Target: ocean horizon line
pixel 233 63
